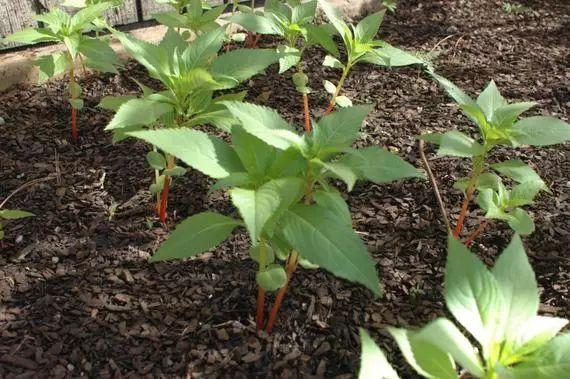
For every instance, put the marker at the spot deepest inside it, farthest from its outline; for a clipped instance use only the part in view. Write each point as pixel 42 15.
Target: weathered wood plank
pixel 125 14
pixel 15 16
pixel 150 7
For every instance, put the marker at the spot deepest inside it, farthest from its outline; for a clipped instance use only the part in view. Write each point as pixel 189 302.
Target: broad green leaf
pixel 264 123
pixel 138 112
pixel 85 16
pixel 254 23
pixel 373 362
pixel 518 289
pixel 334 202
pixel 235 179
pixel 255 155
pixel 266 204
pixel 14 214
pixel 97 51
pixel 331 61
pixel 535 333
pixel 520 221
pixel 77 104
pixel 329 87
pixel 380 166
pixel 367 29
pixel 195 235
pixel 262 253
pixel 343 101
pixel 471 293
pixel 315 233
pixel 339 129
pixel 288 162
pixel 453 91
pixel 524 193
pixel 209 155
pixel 304 12
pixel 205 47
pixel 490 100
pixel 288 57
pixel 72 44
pixel 175 171
pixel 390 56
pixel 33 36
pixel 335 19
pixel 171 19
pixel 113 103
pixel 51 65
pixel 457 144
pixel 158 185
pixel 505 115
pixel 552 361
pixel 272 278
pixel 341 171
pixel 242 64
pixel 519 171
pixel 320 35
pixel 444 335
pixel 156 160
pixel 428 360
pixel 541 131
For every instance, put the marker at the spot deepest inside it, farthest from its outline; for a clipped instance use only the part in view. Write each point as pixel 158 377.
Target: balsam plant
pixel 498 124
pixel 498 308
pixel 294 22
pixel 194 16
pixel 191 73
pixel 7 215
pixel 80 48
pixel 361 47
pixel 281 184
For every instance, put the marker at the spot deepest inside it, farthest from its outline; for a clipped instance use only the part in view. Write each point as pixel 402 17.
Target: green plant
pixel 498 125
pixel 191 73
pixel 499 309
pixel 194 15
pixel 293 21
pixel 360 46
pixel 281 184
pixel 9 215
pixel 389 5
pixel 69 30
pixel 516 8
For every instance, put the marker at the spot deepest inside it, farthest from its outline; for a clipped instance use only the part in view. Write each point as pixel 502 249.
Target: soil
pixel 79 297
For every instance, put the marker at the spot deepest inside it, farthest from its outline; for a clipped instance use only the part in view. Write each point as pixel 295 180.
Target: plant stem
pixel 478 165
pixel 478 231
pixel 165 190
pixel 338 89
pixel 463 213
pixel 260 307
pixel 292 262
pixel 307 113
pixel 435 186
pixel 74 133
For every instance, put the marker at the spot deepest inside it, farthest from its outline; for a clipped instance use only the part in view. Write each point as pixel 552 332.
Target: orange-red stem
pixel 463 213
pixel 307 113
pixel 290 269
pixel 260 308
pixel 74 133
pixel 164 201
pixel 476 233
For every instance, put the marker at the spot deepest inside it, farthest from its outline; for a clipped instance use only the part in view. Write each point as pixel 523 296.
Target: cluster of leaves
pixel 498 308
pixel 191 74
pixel 9 215
pixel 281 184
pixel 516 8
pixel 498 124
pixel 195 16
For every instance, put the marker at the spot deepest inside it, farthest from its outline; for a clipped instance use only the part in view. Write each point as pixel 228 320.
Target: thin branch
pixel 24 186
pixel 434 184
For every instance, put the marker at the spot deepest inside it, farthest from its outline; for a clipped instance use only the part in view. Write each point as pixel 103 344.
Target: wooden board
pixel 125 14
pixel 150 7
pixel 15 16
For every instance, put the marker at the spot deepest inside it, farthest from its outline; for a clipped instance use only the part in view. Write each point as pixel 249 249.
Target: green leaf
pixel 320 35
pixel 171 19
pixel 329 87
pixel 390 56
pixel 113 103
pixel 288 57
pixel 99 54
pixel 156 160
pixel 341 171
pixel 379 165
pixel 315 233
pixel 524 193
pixel 272 278
pixel 520 221
pixel 262 207
pixel 51 65
pixel 30 36
pixel 331 61
pixel 76 103
pixel 339 130
pixel 373 362
pixel 85 16
pixel 138 112
pixel 195 235
pixel 506 115
pixel 552 361
pixel 205 47
pixel 428 360
pixel 255 155
pixel 72 44
pixel 242 64
pixel 334 202
pixel 235 179
pixel 367 29
pixel 175 171
pixel 471 293
pixel 14 214
pixel 300 79
pixel 490 100
pixel 519 171
pixel 304 12
pixel 444 335
pixel 343 101
pixel 254 23
pixel 541 131
pixel 457 144
pixel 452 90
pixel 517 287
pixel 262 253
pixel 264 123
pixel 209 155
pixel 158 185
pixel 535 333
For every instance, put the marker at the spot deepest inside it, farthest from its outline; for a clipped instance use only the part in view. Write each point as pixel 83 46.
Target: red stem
pixel 463 213
pixel 290 269
pixel 164 200
pixel 74 133
pixel 478 231
pixel 260 308
pixel 306 112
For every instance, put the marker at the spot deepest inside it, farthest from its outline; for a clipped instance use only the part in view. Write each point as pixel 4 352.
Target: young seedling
pixel 252 38
pixel 295 24
pixel 498 308
pixel 191 74
pixel 80 48
pixel 498 124
pixel 281 184
pixel 361 47
pixel 195 16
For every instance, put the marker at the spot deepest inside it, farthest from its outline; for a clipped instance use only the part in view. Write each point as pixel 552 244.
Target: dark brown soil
pixel 80 299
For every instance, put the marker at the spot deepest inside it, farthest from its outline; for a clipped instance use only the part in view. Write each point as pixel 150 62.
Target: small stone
pixel 54 260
